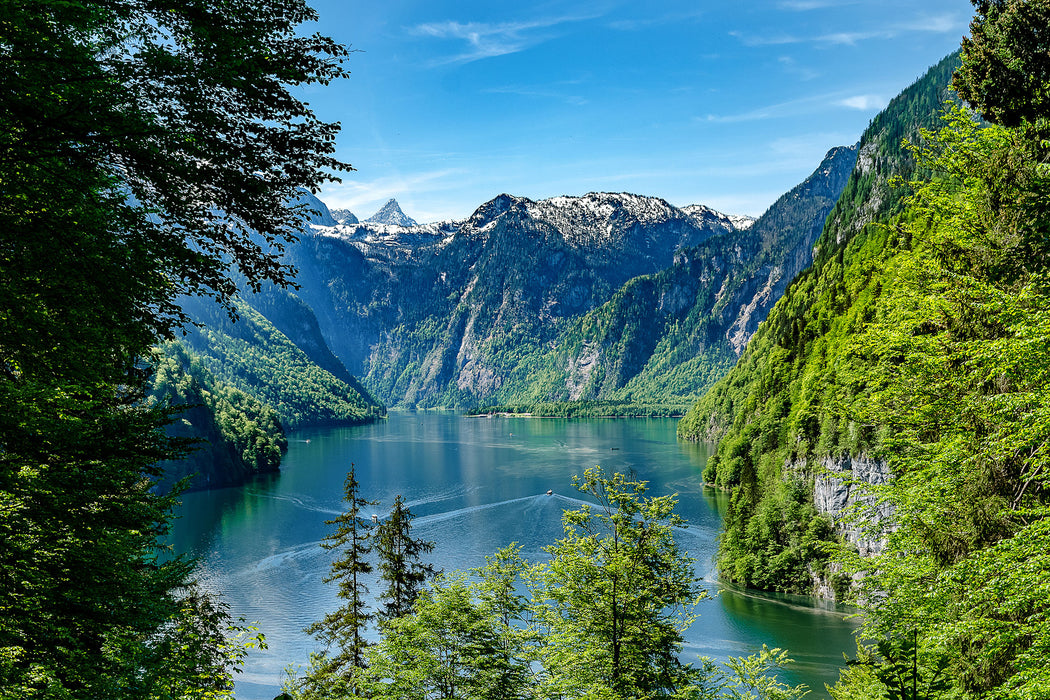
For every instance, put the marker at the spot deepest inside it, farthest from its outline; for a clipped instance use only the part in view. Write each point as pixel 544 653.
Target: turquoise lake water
pixel 474 485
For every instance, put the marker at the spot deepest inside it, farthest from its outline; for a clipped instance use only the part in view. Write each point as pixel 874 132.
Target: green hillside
pixel 777 413
pixel 237 436
pixel 255 357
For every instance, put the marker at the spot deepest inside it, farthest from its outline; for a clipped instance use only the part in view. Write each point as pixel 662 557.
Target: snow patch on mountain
pixel 728 222
pixel 344 216
pixel 596 216
pixel 741 222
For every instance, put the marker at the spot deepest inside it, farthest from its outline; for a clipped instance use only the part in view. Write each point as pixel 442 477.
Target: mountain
pixel 792 465
pixel 500 307
pixel 668 336
pixel 344 216
pixel 239 436
pixel 391 215
pixel 316 211
pixel 283 363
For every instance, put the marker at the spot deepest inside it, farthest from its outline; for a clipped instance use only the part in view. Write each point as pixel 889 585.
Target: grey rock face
pixel 844 491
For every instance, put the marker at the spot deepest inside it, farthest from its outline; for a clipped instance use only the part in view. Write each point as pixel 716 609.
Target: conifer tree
pixel 1005 73
pixel 345 627
pixel 399 563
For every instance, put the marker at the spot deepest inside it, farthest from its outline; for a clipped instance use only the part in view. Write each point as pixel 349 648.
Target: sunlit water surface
pixel 474 485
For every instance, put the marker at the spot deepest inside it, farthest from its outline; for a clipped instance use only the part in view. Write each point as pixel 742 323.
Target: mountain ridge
pixel 460 313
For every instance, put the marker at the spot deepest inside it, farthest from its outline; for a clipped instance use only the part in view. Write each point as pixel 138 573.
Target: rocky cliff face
pixel 843 490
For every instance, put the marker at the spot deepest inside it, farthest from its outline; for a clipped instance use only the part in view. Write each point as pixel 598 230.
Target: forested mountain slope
pixel 275 353
pixel 776 413
pixel 669 335
pixel 239 435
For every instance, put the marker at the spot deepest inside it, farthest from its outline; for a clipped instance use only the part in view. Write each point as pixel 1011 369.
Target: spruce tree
pixel 399 563
pixel 344 628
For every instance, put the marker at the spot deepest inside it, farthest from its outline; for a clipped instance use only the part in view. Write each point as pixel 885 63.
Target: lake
pixel 474 485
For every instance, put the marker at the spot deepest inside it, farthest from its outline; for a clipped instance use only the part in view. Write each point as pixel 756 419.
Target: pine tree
pixel 345 627
pixel 399 563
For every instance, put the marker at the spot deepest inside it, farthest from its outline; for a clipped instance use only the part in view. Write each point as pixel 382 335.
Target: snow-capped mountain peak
pixel 391 214
pixel 344 216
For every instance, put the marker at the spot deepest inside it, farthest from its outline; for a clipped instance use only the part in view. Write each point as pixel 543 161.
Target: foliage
pixel 750 678
pixel 202 644
pixel 240 436
pixel 587 409
pixel 344 628
pixel 399 561
pixel 955 363
pixel 1005 73
pixel 616 595
pixel 778 415
pixel 258 359
pixel 462 639
pixel 146 148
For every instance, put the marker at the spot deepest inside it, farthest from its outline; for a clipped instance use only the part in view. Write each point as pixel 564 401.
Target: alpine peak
pixel 391 214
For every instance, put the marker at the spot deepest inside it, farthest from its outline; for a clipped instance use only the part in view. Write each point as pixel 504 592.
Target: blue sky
pixel 728 104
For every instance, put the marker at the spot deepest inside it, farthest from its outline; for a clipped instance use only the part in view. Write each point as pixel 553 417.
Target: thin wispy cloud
pixel 542 93
pixel 751 40
pixel 792 67
pixel 937 24
pixel 490 39
pixel 863 102
pixel 932 24
pixel 808 148
pixel 801 106
pixel 363 197
pixel 807 5
pixel 630 25
pixel 780 109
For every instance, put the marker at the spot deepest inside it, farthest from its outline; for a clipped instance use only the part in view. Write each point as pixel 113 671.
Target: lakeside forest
pixel 871 357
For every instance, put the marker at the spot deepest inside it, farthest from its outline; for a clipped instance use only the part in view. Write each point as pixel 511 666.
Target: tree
pixel 146 149
pixel 344 628
pixel 440 649
pixel 399 564
pixel 1005 73
pixel 464 638
pixel 200 643
pixel 617 594
pixel 505 666
pixel 955 365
